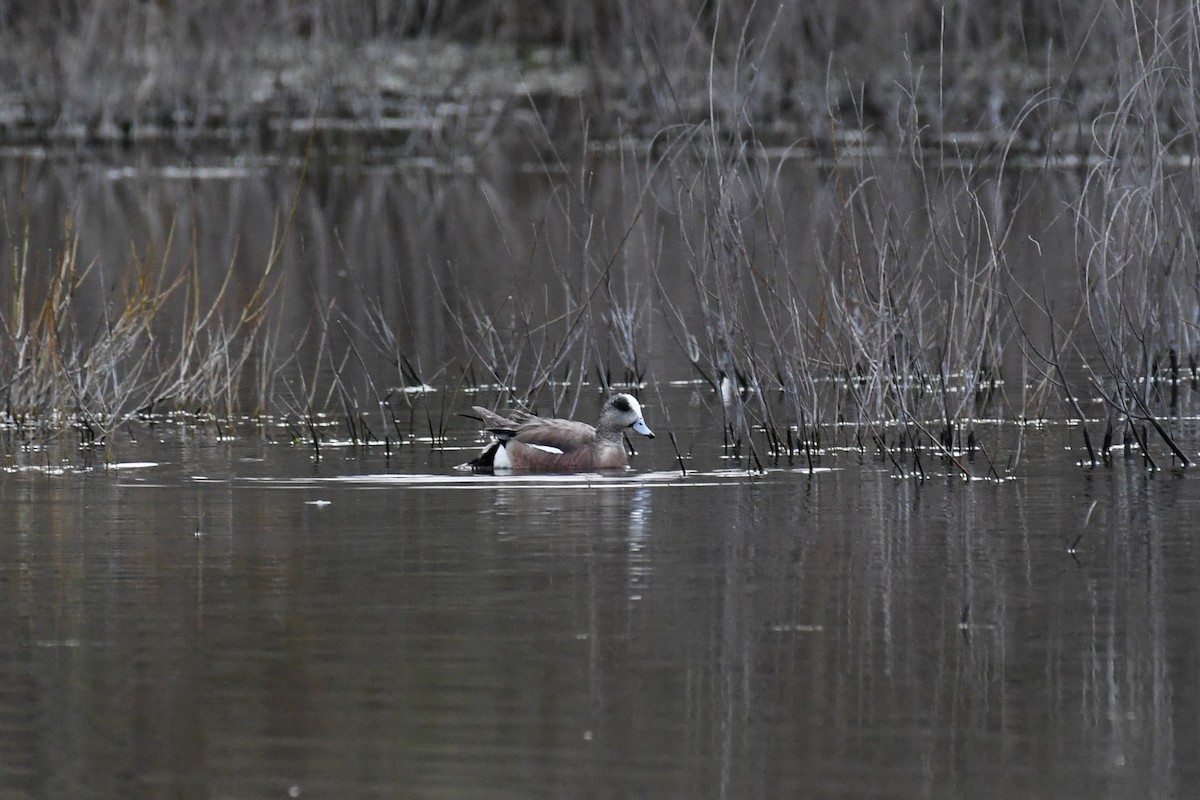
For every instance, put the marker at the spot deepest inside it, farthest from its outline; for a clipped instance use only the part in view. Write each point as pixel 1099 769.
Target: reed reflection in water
pixel 204 627
pixel 474 270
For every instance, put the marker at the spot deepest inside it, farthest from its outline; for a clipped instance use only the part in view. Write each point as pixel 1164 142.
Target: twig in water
pixel 1183 459
pixel 678 455
pixel 1087 518
pixel 991 467
pixel 945 452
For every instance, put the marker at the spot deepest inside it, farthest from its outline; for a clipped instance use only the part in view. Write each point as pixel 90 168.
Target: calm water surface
pixel 236 620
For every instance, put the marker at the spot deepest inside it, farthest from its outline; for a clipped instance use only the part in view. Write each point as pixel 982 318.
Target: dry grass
pixel 83 345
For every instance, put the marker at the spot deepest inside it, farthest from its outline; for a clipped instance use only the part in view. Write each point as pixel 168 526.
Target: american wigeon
pixel 528 442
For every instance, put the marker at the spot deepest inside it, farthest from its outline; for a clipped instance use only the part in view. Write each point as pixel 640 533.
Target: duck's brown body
pixel 527 442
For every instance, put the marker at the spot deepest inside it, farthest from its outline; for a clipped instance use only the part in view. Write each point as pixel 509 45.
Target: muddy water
pixel 231 618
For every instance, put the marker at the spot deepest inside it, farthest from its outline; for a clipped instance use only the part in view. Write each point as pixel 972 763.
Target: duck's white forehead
pixel 633 404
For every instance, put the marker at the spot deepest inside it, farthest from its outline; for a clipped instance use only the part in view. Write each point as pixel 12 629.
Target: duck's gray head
pixel 624 411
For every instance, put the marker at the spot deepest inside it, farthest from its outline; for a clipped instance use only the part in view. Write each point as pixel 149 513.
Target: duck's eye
pixel 621 404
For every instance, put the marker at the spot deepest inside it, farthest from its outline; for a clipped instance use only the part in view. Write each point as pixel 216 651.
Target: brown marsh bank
pixel 451 77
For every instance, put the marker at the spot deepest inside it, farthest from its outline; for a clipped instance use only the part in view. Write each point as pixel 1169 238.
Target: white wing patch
pixel 545 448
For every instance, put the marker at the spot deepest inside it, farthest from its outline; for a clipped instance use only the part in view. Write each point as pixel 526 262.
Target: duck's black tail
pixel 487 459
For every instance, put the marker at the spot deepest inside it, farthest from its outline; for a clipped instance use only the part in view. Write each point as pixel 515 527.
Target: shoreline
pixel 447 98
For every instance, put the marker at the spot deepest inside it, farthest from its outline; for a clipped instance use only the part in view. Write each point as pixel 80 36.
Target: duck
pixel 543 444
